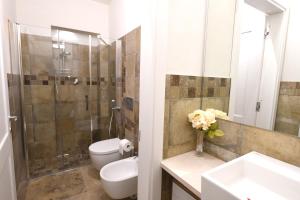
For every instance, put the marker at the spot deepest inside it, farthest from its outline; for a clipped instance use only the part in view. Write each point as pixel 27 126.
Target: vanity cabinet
pixel 179 194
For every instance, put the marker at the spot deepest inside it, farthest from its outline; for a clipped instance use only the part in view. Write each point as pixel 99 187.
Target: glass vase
pixel 199 144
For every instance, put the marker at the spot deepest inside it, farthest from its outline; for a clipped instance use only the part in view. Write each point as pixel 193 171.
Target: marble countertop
pixel 187 168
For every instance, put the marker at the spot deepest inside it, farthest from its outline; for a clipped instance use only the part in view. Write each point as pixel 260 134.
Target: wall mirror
pixel 251 49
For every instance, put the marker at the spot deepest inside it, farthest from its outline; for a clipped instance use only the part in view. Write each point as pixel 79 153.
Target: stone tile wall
pixel 183 95
pixel 241 139
pixel 107 90
pixel 238 139
pixel 216 93
pixel 288 108
pixel 127 86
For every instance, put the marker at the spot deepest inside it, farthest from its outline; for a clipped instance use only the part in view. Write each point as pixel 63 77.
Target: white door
pixel 7 176
pixel 272 66
pixel 250 65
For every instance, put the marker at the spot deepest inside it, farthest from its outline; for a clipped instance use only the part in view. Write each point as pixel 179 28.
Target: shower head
pixel 101 39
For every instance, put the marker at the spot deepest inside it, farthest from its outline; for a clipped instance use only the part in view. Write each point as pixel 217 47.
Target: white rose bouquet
pixel 206 121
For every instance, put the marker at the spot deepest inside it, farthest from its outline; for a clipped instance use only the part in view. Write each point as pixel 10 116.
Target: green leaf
pixel 214 126
pixel 219 133
pixel 211 134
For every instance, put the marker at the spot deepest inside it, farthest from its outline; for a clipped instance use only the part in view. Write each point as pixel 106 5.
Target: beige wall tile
pixel 28 113
pixel 65 126
pixel 45 132
pixel 80 91
pixel 66 110
pixel 27 94
pixel 180 129
pixel 277 145
pixel 66 93
pixel 44 112
pixel 42 94
pixel 80 110
pixel 232 138
pixel 40 47
pixel 219 151
pixel 244 139
pixel 130 76
pixel 182 148
pixel 219 103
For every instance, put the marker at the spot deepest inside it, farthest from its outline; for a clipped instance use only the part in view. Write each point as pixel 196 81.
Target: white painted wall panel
pixel 85 15
pixel 186 20
pixel 125 16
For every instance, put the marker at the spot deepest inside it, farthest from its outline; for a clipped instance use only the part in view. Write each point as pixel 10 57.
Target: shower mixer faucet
pixel 114 105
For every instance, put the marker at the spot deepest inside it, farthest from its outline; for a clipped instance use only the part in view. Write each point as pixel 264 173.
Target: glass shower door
pixel 75 95
pixel 37 75
pixel 68 87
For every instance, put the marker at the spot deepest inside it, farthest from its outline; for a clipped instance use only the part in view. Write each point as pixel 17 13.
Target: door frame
pixel 6 151
pixel 235 60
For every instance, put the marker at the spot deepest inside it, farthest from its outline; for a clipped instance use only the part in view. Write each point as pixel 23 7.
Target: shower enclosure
pixel 68 85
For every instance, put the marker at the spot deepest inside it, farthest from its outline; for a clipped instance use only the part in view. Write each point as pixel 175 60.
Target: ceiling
pixel 103 1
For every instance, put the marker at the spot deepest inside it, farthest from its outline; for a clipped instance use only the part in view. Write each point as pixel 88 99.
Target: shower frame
pixel 19 51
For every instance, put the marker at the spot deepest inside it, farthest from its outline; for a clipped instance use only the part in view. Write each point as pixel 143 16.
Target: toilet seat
pixel 105 147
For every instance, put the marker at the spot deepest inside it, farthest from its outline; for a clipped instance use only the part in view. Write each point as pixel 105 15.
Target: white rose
pixel 219 114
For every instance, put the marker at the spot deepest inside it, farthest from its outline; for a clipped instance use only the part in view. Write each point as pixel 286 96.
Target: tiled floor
pixel 77 184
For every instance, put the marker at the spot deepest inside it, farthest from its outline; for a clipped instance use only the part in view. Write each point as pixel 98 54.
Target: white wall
pixel 291 70
pixel 7 12
pixel 219 38
pixel 125 15
pixel 85 15
pixel 152 91
pixel 186 21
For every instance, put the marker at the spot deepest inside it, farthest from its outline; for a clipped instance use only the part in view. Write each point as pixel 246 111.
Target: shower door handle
pixel 86 102
pixel 13 118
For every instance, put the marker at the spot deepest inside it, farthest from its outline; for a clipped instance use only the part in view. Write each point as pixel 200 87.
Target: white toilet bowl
pixel 119 178
pixel 104 152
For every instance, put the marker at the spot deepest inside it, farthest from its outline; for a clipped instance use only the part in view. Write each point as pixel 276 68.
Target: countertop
pixel 187 168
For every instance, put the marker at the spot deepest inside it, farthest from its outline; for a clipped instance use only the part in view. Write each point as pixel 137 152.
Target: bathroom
pixel 100 99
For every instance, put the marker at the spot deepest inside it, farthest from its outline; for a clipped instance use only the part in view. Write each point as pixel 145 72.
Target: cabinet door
pixel 180 194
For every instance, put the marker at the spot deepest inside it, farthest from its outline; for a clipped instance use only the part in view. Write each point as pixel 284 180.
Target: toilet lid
pixel 105 146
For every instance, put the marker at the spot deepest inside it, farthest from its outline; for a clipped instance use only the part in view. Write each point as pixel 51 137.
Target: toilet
pixel 119 178
pixel 104 152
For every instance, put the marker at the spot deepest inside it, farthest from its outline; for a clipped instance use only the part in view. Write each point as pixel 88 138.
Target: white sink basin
pixel 253 176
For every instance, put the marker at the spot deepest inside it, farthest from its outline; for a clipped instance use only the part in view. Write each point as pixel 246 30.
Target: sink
pixel 253 176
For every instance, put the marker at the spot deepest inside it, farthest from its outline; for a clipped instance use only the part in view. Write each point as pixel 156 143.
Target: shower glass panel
pixel 68 87
pixel 73 95
pixel 39 100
